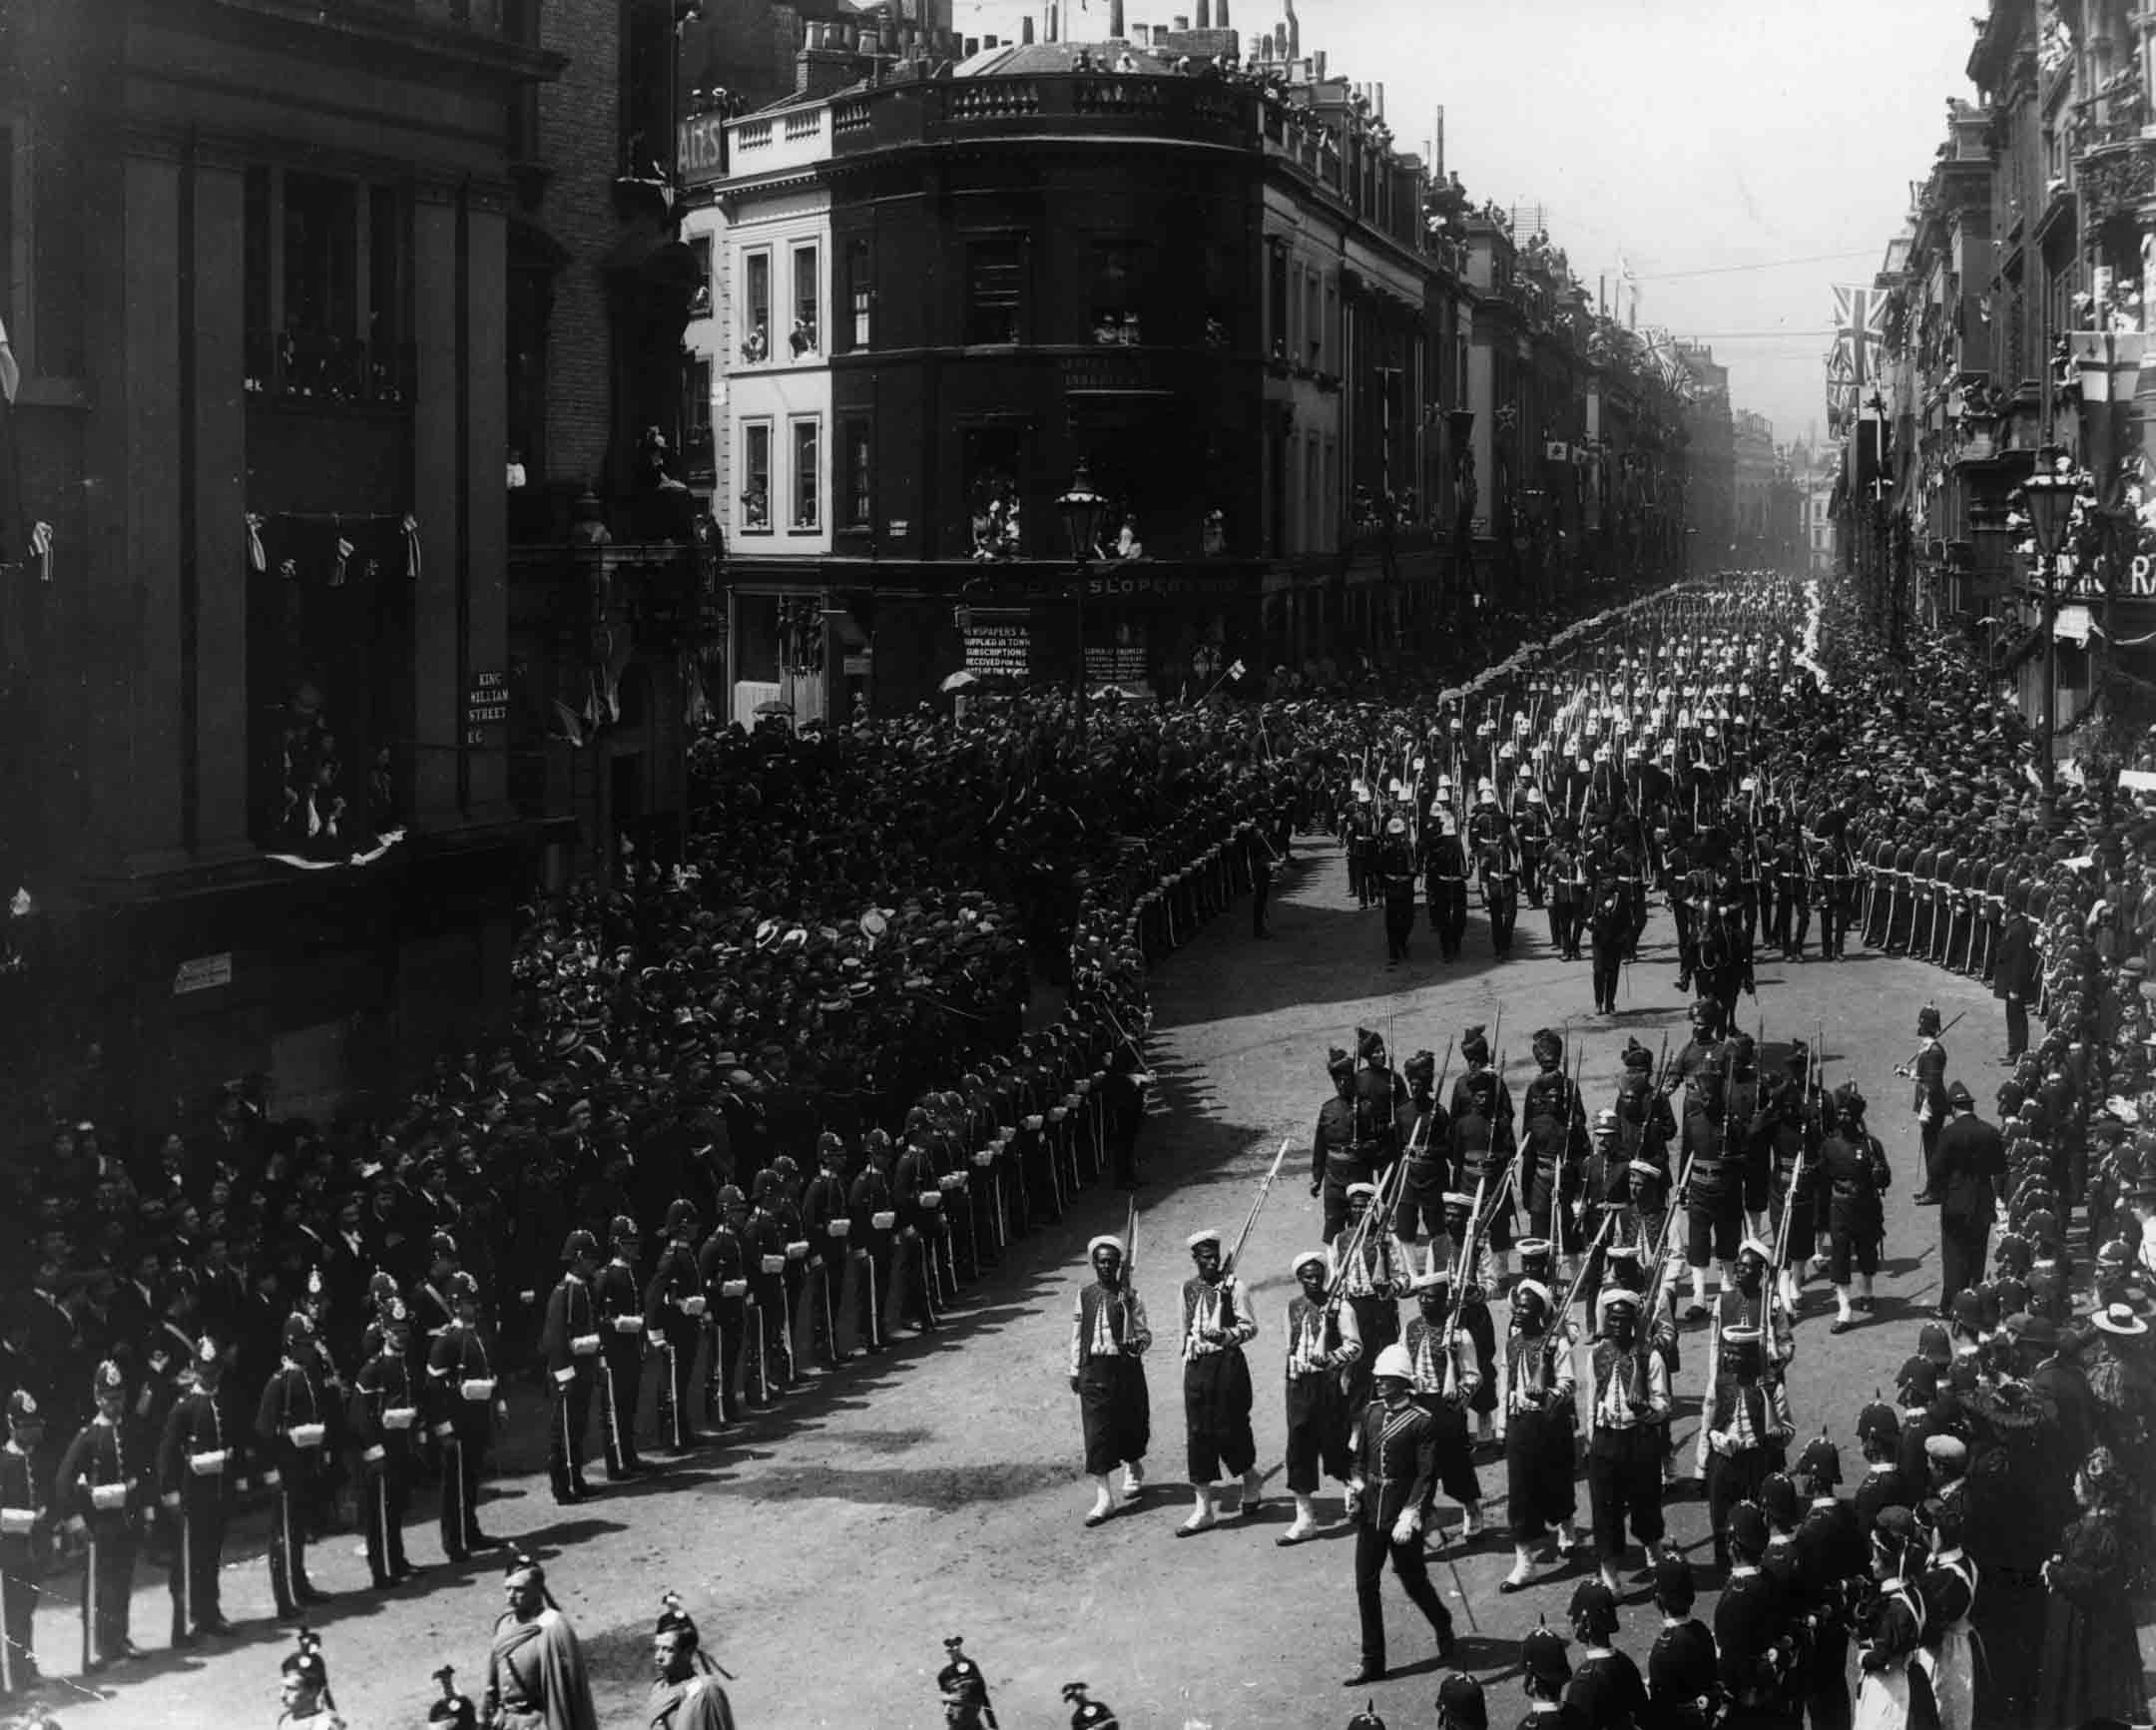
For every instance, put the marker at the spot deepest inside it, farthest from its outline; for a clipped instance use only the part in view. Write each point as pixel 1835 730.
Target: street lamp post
pixel 2050 490
pixel 1081 508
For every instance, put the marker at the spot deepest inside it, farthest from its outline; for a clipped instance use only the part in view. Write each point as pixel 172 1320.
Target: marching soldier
pixel 570 1339
pixel 1568 891
pixel 1337 1157
pixel 674 1307
pixel 685 1691
pixel 1609 928
pixel 1751 1634
pixel 1448 1373
pixel 1422 1136
pixel 25 1532
pixel 99 1490
pixel 1539 1415
pixel 303 1688
pixel 292 1427
pixel 1390 1499
pixel 463 1405
pixel 1628 1420
pixel 1607 1690
pixel 1323 1345
pixel 1832 1561
pixel 1217 1322
pixel 1714 1196
pixel 618 1300
pixel 1853 1169
pixel 1397 882
pixel 193 1456
pixel 1482 1160
pixel 385 1423
pixel 1555 1119
pixel 1747 1427
pixel 1371 1278
pixel 1108 1337
pixel 1445 884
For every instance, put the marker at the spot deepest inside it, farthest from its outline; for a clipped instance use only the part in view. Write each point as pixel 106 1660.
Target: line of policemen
pixel 716 1313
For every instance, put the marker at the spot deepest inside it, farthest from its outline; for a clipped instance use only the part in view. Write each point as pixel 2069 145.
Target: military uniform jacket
pixel 1333 1154
pixel 1450 1369
pixel 1480 1148
pixel 616 1299
pixel 1396 1463
pixel 673 1299
pixel 384 1410
pixel 764 1255
pixel 1683 1674
pixel 197 1445
pixel 1538 1374
pixel 719 1265
pixel 1218 1304
pixel 868 1201
pixel 102 1455
pixel 570 1336
pixel 824 1204
pixel 20 1492
pixel 457 1367
pixel 1832 1559
pixel 1750 1625
pixel 291 1411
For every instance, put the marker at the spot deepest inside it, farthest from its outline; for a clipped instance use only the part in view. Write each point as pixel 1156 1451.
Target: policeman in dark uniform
pixel 98 1491
pixel 386 1425
pixel 675 1303
pixel 195 1454
pixel 723 1271
pixel 873 1209
pixel 828 1226
pixel 1683 1667
pixel 24 1534
pixel 763 1258
pixel 920 1222
pixel 463 1404
pixel 570 1339
pixel 291 1427
pixel 618 1295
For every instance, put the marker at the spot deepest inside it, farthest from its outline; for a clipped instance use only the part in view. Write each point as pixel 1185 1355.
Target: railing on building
pixel 306 366
pixel 1195 109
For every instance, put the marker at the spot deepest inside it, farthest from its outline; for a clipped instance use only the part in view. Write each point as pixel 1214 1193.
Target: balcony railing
pixel 328 370
pixel 1199 109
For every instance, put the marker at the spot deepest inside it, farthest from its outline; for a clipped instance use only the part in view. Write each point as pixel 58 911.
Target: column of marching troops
pixel 385 1370
pixel 1991 1501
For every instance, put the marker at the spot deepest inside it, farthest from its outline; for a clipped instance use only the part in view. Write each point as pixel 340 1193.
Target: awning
pixel 2073 625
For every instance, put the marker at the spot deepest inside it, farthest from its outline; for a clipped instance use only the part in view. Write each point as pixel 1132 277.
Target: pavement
pixel 828 1548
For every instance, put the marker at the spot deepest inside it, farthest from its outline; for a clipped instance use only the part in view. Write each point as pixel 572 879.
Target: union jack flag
pixel 1860 317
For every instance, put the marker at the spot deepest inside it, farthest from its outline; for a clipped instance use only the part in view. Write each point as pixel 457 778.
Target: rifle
pixel 1265 1188
pixel 1906 1069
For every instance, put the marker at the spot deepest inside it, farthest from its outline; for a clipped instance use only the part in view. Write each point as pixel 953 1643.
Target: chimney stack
pixel 1380 101
pixel 1280 42
pixel 1317 65
pixel 1055 33
pixel 1220 19
pixel 1115 20
pixel 1025 33
pixel 1182 21
pixel 1205 14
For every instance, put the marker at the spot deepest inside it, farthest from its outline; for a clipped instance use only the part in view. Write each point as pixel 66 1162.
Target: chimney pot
pixel 1182 21
pixel 1318 64
pixel 1380 101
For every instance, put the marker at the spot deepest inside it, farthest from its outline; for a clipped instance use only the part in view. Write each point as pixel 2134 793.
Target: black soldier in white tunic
pixel 1108 1337
pixel 1217 1322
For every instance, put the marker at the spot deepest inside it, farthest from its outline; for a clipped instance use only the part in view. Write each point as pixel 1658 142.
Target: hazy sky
pixel 1692 135
pixel 1688 135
